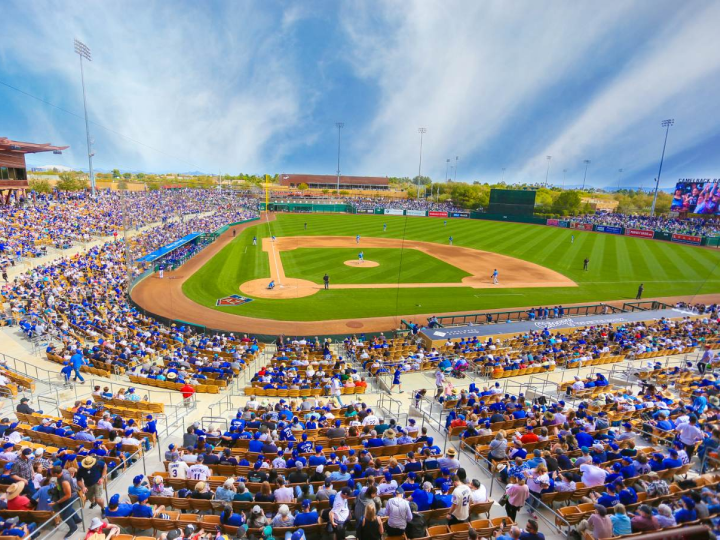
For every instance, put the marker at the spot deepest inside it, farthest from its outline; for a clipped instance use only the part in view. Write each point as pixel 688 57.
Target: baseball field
pixel 410 267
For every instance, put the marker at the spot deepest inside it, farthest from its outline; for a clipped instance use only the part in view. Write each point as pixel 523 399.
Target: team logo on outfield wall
pixel 233 300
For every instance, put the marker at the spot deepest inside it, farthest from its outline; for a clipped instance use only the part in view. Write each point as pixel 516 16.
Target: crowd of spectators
pixel 690 226
pixel 81 301
pixel 370 203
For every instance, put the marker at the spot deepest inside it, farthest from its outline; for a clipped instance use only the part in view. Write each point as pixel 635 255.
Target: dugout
pixel 178 252
pixel 437 337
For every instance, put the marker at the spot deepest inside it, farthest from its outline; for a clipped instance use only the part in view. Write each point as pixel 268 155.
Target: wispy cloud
pixel 211 88
pixel 255 87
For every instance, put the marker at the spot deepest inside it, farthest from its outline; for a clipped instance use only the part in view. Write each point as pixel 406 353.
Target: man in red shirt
pixel 528 437
pixel 187 392
pixel 15 501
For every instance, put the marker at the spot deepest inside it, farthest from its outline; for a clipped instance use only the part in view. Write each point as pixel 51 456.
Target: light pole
pixel 666 124
pixel 421 131
pixel 620 171
pixel 564 173
pixel 339 126
pixel 587 162
pixel 83 51
pixel 503 175
pixel 456 164
pixel 548 170
pixel 447 164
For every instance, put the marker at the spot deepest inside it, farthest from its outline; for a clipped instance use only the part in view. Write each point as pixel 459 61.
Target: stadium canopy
pixel 19 147
pixel 158 253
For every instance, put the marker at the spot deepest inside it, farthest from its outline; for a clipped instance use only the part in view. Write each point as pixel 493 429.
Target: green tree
pixel 140 176
pixel 153 186
pixel 67 182
pixel 303 186
pixel 127 176
pixel 116 173
pixel 122 185
pixel 40 185
pixel 567 203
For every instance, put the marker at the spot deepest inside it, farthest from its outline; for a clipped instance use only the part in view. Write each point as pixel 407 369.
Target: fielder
pixel 384 227
pixel 162 272
pixel 495 277
pixel 361 257
pixel 572 238
pixel 254 240
pixel 357 239
pixel 450 239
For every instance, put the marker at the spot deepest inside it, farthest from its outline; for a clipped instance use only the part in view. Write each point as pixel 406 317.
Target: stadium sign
pixel 581 226
pixel 687 239
pixel 438 214
pixel 557 223
pixel 365 211
pixel 393 212
pixel 639 233
pixel 459 214
pixel 415 213
pixel 609 229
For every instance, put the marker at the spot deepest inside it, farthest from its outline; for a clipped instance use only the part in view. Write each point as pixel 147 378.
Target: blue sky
pixel 254 87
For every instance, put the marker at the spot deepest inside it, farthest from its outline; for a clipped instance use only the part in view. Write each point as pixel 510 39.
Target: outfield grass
pixel 396 266
pixel 618 264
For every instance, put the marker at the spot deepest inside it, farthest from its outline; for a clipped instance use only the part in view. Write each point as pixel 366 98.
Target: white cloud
pixel 665 80
pixel 214 91
pixel 471 72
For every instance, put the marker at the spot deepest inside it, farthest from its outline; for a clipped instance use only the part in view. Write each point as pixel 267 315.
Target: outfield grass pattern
pixel 396 266
pixel 618 264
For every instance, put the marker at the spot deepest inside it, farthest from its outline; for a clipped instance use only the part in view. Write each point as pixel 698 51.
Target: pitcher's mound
pixel 290 288
pixel 364 264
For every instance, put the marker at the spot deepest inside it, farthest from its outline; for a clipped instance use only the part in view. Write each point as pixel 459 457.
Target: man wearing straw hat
pixel 90 477
pixel 16 501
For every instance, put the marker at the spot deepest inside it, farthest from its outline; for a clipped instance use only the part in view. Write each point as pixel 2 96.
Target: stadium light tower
pixel 548 170
pixel 503 175
pixel 620 171
pixel 564 173
pixel 456 163
pixel 666 124
pixel 447 164
pixel 83 51
pixel 421 131
pixel 339 126
pixel 587 162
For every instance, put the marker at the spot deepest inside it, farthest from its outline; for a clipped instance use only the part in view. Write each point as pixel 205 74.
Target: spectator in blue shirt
pixel 307 516
pixel 139 487
pixel 118 509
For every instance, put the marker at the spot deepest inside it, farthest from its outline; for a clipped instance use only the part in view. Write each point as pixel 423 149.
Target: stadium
pixel 322 356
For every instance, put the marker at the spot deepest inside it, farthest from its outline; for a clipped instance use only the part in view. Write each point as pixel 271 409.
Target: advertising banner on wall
pixel 438 214
pixel 687 239
pixel 393 211
pixel 609 229
pixel 365 211
pixel 552 222
pixel 459 214
pixel 564 224
pixel 639 233
pixel 581 226
pixel 415 212
pixel 379 211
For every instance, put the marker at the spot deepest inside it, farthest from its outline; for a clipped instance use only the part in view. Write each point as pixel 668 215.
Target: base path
pixel 513 273
pixel 164 297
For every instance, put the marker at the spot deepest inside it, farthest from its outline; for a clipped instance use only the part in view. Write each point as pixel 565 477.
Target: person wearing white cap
pixel 98 529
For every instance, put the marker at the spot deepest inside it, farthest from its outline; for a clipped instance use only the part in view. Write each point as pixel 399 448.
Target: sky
pixel 257 87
